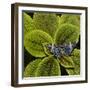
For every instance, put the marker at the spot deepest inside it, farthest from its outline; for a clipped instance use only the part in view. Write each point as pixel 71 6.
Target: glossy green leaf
pixel 67 62
pixel 34 42
pixel 67 33
pixel 49 66
pixel 31 68
pixel 47 22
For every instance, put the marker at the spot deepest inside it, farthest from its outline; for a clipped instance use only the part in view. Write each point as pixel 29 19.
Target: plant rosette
pixel 52 50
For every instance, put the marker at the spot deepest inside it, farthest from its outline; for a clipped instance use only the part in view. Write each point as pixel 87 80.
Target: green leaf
pixel 46 50
pixel 49 66
pixel 71 71
pixel 34 42
pixel 67 33
pixel 76 53
pixel 28 23
pixel 67 62
pixel 31 68
pixel 76 59
pixel 47 22
pixel 70 18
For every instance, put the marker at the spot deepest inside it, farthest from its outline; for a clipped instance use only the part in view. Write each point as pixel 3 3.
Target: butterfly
pixel 61 50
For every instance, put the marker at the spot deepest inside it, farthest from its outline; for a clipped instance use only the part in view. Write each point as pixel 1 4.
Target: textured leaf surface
pixel 49 66
pixel 34 42
pixel 46 50
pixel 46 21
pixel 67 33
pixel 67 62
pixel 69 18
pixel 76 59
pixel 31 68
pixel 28 23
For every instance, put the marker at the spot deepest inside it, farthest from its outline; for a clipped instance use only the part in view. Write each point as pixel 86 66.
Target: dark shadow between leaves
pixel 63 71
pixel 27 58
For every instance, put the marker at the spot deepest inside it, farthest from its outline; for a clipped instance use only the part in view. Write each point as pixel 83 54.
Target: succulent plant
pixel 53 47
